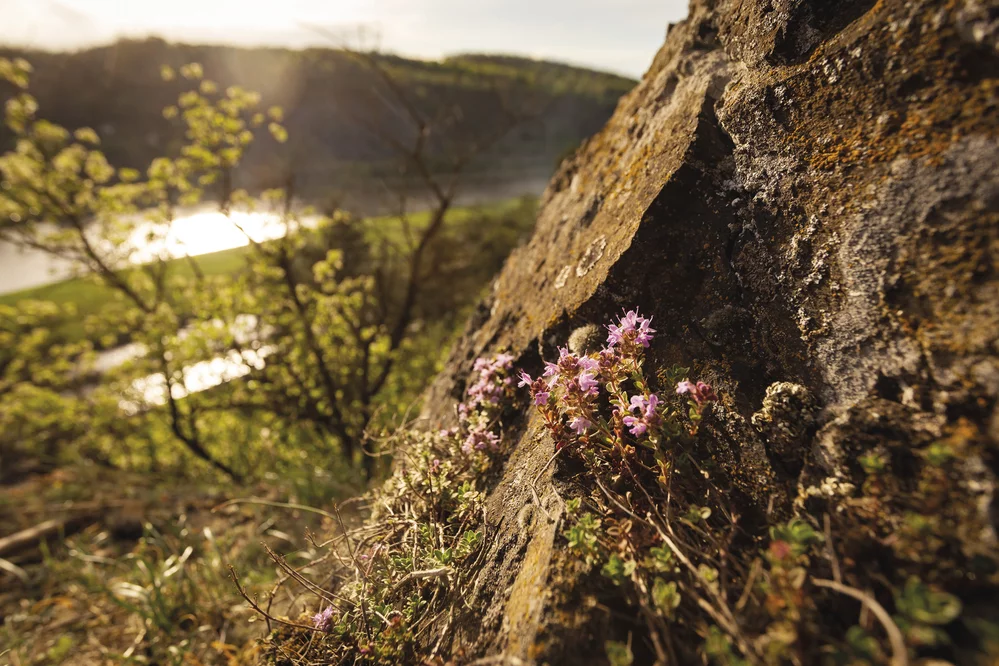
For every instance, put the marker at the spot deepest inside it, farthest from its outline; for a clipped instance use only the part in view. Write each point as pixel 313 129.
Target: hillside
pixel 340 108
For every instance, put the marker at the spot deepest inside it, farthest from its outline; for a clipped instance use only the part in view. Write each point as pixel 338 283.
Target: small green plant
pixel 618 570
pixel 583 538
pixel 797 534
pixel 874 461
pixel 666 596
pixel 619 654
pixel 939 453
pixel 923 610
pixel 718 648
pixel 862 646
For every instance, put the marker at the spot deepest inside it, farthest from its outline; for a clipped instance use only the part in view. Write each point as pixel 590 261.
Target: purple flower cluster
pixel 575 378
pixel 323 620
pixel 492 383
pixel 540 388
pixel 631 331
pixel 568 391
pixel 647 418
pixel 700 392
pixel 480 438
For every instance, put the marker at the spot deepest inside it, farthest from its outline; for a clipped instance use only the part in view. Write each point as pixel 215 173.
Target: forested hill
pixel 339 108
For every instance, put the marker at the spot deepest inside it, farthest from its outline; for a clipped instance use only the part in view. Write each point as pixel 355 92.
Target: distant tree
pixel 328 329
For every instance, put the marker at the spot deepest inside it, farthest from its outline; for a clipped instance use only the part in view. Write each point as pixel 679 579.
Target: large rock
pixel 805 195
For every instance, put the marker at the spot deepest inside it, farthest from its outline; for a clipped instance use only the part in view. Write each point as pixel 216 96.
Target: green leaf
pixel 666 596
pixel 192 71
pixel 707 574
pixel 618 654
pixel 862 643
pixel 798 534
pixel 618 569
pixel 97 168
pixel 661 559
pixel 926 605
pixel 87 135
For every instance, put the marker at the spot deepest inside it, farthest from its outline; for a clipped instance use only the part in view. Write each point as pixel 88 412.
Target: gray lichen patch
pixel 586 339
pixel 786 419
pixel 592 255
pixel 563 276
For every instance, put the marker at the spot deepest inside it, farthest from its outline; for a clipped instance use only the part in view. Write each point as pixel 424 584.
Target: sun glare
pixel 203 232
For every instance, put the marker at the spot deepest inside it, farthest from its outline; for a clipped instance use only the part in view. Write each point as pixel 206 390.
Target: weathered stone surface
pixel 799 191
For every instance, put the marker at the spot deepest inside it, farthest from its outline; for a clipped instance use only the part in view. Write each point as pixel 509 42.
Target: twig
pixel 900 655
pixel 270 618
pixel 34 535
pixel 753 573
pixel 14 570
pixel 837 576
pixel 417 575
pixel 331 598
pixel 279 505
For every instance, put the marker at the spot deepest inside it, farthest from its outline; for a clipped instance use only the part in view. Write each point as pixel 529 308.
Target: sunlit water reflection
pixel 151 390
pixel 203 232
pixel 195 232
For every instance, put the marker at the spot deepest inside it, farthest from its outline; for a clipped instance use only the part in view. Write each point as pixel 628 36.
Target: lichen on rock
pixel 785 420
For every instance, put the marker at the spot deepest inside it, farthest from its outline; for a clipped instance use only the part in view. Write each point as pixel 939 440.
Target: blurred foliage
pixel 257 361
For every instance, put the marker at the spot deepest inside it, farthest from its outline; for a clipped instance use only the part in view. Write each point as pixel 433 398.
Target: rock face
pixel 805 195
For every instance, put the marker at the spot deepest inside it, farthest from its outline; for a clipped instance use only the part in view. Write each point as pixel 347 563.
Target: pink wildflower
pixel 631 328
pixel 480 439
pixel 700 392
pixel 580 424
pixel 588 383
pixel 647 417
pixel 323 620
pixel 540 390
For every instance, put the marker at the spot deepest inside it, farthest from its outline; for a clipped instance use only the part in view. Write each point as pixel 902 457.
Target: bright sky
pixel 615 35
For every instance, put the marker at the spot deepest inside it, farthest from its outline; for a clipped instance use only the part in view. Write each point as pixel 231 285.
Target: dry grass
pixel 147 580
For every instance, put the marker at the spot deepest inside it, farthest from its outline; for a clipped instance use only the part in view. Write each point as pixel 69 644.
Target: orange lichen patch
pixel 926 131
pixel 844 115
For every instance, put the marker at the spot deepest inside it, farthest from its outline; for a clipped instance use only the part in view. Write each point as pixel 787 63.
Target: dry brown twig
pixel 900 655
pixel 420 575
pixel 253 604
pixel 278 505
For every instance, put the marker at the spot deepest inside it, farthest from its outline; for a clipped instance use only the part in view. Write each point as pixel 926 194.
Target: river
pixel 204 229
pixel 198 376
pixel 194 232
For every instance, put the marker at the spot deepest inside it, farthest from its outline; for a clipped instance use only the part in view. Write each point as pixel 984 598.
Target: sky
pixel 614 35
